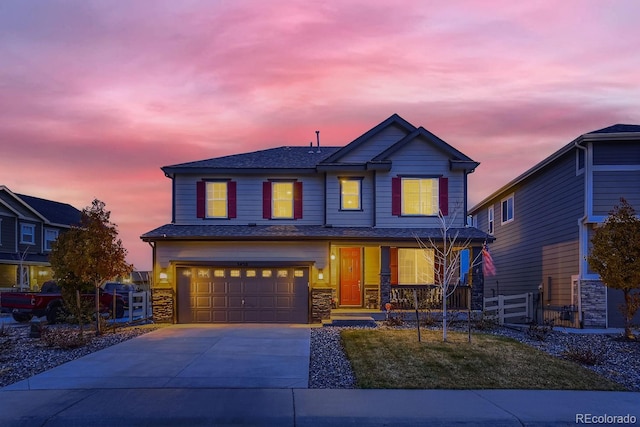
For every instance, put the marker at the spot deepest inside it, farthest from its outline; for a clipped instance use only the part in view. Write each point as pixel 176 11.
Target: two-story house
pixel 254 235
pixel 28 227
pixel 543 221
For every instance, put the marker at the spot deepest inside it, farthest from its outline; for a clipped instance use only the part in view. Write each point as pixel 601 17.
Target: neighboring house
pixel 544 219
pixel 254 237
pixel 28 227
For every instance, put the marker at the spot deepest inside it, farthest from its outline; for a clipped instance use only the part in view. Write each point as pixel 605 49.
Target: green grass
pixel 395 359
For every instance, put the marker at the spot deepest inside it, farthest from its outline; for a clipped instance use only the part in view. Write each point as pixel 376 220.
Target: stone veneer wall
pixel 593 297
pixel 162 301
pixel 320 304
pixel 385 289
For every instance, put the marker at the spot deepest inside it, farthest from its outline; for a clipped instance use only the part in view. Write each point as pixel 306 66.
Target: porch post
pixel 385 276
pixel 477 279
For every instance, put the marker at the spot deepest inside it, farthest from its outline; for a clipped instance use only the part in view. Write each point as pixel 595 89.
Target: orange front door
pixel 350 280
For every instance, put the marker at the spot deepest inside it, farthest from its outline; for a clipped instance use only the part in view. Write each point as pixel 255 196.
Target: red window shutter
pixel 443 191
pixel 266 200
pixel 297 200
pixel 393 261
pixel 231 199
pixel 396 196
pixel 201 199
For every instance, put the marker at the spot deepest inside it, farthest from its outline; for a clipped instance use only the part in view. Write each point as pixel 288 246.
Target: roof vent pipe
pixel 318 140
pixel 311 147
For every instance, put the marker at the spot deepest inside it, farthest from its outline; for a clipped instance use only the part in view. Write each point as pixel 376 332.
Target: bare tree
pixel 445 257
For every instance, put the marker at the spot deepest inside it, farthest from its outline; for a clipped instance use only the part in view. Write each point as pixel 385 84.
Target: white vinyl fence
pixel 508 306
pixel 139 306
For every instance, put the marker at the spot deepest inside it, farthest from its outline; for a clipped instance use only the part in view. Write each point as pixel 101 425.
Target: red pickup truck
pixel 48 302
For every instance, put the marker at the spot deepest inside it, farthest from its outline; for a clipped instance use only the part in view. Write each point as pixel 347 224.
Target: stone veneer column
pixel 385 276
pixel 593 298
pixel 320 304
pixel 162 303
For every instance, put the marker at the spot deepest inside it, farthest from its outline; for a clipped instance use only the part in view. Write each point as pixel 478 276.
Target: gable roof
pixel 54 212
pixel 288 158
pixel 617 128
pixel 455 155
pixel 610 133
pixel 394 119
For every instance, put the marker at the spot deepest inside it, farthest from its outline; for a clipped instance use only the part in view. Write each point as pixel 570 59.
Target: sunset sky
pixel 96 96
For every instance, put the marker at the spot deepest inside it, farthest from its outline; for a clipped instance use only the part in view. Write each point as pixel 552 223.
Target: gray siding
pixel 375 146
pixel 616 153
pixel 418 158
pixel 7 234
pixel 362 218
pixel 234 252
pixel 541 244
pixel 609 186
pixel 249 199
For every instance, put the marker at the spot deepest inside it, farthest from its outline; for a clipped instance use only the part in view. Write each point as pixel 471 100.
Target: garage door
pixel 253 295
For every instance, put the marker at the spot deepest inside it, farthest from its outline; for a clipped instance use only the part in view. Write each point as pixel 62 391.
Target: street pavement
pixel 218 375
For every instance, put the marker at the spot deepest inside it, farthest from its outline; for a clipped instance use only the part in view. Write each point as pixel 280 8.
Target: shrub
pixel 540 332
pixel 64 338
pixel 584 354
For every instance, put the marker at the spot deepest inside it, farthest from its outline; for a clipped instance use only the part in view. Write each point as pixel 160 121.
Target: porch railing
pixel 429 297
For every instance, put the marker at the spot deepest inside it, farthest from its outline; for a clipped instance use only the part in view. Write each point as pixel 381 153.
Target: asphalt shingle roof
pixel 54 212
pixel 287 232
pixel 272 158
pixel 618 128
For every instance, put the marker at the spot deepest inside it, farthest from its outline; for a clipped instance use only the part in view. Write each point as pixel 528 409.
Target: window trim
pixel 208 200
pixel 22 234
pixel 296 200
pixel 491 220
pixel 435 198
pixel 47 248
pixel 358 179
pixel 287 200
pixel 513 209
pixel 202 201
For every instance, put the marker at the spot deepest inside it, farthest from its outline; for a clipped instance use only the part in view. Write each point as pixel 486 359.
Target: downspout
pixel 582 244
pixel 325 199
pixel 374 213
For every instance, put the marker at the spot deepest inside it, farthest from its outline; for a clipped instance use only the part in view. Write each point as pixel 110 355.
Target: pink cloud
pixel 97 96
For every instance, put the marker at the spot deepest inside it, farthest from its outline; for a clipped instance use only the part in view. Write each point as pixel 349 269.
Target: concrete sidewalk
pixel 306 408
pixel 190 375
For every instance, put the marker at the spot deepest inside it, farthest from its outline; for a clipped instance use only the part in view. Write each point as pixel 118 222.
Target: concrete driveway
pixel 190 356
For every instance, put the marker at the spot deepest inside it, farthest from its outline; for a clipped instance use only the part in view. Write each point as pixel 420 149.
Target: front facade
pixel 28 227
pixel 274 235
pixel 544 219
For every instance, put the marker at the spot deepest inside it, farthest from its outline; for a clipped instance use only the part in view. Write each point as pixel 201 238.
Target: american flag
pixel 489 266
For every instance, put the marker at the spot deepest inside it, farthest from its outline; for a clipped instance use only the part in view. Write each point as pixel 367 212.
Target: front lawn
pixel 395 359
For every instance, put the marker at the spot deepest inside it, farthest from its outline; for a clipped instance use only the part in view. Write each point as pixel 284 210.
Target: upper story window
pixel 216 199
pixel 350 194
pixel 490 219
pixel 28 234
pixel 50 236
pixel 419 196
pixel 507 209
pixel 282 200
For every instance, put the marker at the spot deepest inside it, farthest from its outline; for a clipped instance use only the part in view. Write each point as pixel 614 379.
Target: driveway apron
pixel 190 356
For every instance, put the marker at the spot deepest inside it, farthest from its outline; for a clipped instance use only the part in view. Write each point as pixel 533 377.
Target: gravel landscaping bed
pixel 617 360
pixel 22 357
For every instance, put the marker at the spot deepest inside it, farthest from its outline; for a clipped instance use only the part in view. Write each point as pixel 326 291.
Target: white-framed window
pixel 415 266
pixel 217 199
pixel 490 219
pixel 282 200
pixel 28 234
pixel 350 194
pixel 50 236
pixel 420 196
pixel 507 209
